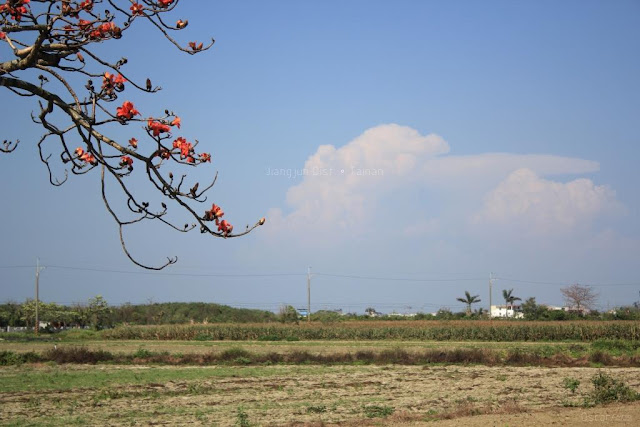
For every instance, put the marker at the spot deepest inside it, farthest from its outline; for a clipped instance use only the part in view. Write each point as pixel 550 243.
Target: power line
pixel 534 282
pixel 396 279
pixel 328 275
pixel 108 270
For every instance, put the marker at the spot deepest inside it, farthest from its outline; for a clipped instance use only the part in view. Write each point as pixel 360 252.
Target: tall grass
pixel 586 331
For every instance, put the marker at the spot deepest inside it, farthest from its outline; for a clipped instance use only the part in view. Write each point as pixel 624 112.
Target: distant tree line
pixel 98 314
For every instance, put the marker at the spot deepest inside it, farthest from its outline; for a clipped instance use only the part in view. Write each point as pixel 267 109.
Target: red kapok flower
pixel 195 47
pixel 111 82
pixel 157 128
pixel 178 142
pixel 164 3
pixel 176 122
pixel 79 151
pixel 86 5
pixel 84 24
pixel 215 213
pixel 186 148
pixel 2 35
pixel 181 24
pixel 205 157
pixel 190 159
pixel 126 161
pixel 89 158
pixel 133 142
pixel 137 9
pixel 127 111
pixel 225 227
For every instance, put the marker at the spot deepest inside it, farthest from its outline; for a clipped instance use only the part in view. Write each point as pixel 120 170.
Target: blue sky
pixel 506 134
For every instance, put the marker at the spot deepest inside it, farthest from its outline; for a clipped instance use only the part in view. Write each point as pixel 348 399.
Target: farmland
pixel 388 330
pixel 274 377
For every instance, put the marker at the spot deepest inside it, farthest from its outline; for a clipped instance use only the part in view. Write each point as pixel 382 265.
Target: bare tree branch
pixel 57 37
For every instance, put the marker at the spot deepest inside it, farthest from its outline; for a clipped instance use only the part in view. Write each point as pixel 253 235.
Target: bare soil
pixel 344 395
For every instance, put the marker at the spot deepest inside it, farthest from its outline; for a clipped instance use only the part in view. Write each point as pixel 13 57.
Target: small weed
pixel 242 361
pixel 242 418
pixel 571 384
pixel 318 409
pixel 375 411
pixel 142 353
pixel 501 377
pixel 608 389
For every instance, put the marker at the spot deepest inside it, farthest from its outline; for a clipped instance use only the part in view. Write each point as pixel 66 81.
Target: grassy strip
pixel 239 356
pixel 108 379
pixel 585 331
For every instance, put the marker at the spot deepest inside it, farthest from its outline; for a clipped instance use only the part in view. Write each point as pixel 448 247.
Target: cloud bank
pixel 345 190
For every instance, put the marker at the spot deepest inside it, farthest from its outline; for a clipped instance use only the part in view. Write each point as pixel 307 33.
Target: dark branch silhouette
pixel 57 38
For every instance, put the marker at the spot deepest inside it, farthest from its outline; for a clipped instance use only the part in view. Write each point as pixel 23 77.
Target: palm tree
pixel 469 300
pixel 508 298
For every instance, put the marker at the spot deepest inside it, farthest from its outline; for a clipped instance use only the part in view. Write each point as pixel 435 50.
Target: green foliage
pixel 142 353
pixel 468 300
pixel 531 309
pixel 317 409
pixel 288 314
pixel 616 346
pixel 187 312
pixel 463 330
pixel 571 384
pixel 376 411
pixel 242 418
pixel 608 389
pixel 98 312
pixel 9 358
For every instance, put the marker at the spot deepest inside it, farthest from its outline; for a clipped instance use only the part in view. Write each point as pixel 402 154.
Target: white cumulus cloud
pixel 346 190
pixel 538 205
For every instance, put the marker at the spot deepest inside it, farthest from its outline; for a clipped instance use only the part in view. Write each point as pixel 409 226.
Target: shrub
pixel 76 355
pixel 8 358
pixel 375 411
pixel 142 353
pixel 319 409
pixel 608 389
pixel 571 384
pixel 242 418
pixel 234 354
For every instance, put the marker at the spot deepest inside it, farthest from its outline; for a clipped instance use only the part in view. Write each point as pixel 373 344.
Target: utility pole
pixel 309 294
pixel 490 293
pixel 38 269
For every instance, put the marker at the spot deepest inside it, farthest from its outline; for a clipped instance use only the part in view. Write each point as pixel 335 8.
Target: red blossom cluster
pixel 111 82
pixel 68 10
pixel 127 111
pixel 205 157
pixel 214 214
pixel 137 9
pixel 105 30
pixel 85 156
pixel 15 8
pixel 100 32
pixel 2 35
pixel 126 161
pixel 195 47
pixel 165 3
pixel 185 147
pixel 225 227
pixel 133 142
pixel 157 127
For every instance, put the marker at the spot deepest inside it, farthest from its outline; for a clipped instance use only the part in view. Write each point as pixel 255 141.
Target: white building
pixel 512 312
